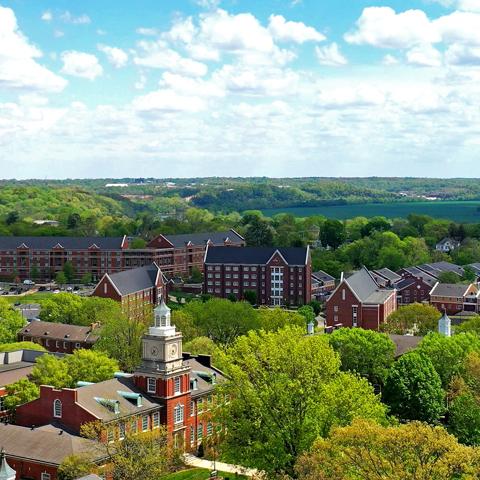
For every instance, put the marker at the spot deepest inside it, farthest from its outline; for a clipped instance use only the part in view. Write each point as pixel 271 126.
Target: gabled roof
pixel 136 279
pixel 388 274
pixel 366 288
pixel 445 240
pixel 217 238
pixel 436 268
pixel 404 283
pixel 323 276
pixel 426 277
pixel 68 243
pixel 475 267
pixel 255 255
pixel 456 290
pixel 59 331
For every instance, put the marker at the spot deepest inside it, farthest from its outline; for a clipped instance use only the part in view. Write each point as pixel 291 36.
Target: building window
pixel 110 436
pixel 335 308
pixel 45 476
pixel 156 420
pixel 121 430
pixel 177 385
pixel 354 315
pixel 145 423
pixel 151 385
pixel 209 429
pixel 200 431
pixel 178 414
pixel 192 436
pixel 192 408
pixel 57 408
pixel 133 426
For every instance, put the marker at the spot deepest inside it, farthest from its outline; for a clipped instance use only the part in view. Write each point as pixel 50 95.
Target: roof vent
pixel 194 384
pixel 67 335
pixel 46 333
pixel 112 405
pixel 132 396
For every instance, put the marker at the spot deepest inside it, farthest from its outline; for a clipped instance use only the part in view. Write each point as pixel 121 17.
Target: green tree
pixel 121 339
pixel 196 276
pixel 86 279
pixel 471 325
pixel 449 277
pixel 259 233
pixel 464 418
pixel 50 370
pixel 469 274
pixel 376 224
pixel 20 392
pixel 307 313
pixel 138 243
pixel 250 296
pixel 62 308
pixel 317 306
pixel 12 217
pixel 69 272
pixel 413 389
pixel 90 366
pixel 60 278
pixel 73 221
pixel 365 352
pixel 286 390
pixel 34 273
pixel 11 321
pixel 416 319
pixel 274 319
pixel 368 451
pixel 11 347
pixel 448 354
pixel 75 466
pixel 332 233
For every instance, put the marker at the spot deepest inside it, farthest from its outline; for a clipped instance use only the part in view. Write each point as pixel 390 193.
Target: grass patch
pixel 200 474
pixel 29 298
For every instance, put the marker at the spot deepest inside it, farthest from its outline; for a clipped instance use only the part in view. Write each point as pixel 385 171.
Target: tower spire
pixel 6 472
pixel 162 326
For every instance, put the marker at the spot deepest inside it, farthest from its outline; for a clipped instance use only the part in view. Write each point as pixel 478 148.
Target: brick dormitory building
pixel 42 257
pixel 169 388
pixel 278 276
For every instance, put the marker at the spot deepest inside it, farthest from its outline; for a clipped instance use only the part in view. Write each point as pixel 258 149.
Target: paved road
pixel 220 466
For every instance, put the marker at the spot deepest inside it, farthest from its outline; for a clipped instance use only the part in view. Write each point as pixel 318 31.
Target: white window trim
pixel 56 402
pixel 149 389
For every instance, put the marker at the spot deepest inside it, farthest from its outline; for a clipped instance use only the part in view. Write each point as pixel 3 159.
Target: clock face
pixel 154 351
pixel 173 350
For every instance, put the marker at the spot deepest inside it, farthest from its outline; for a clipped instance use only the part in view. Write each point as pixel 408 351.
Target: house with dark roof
pixel 454 298
pixel 359 301
pixel 278 276
pixel 389 277
pixel 322 284
pixel 138 290
pixel 447 244
pixel 58 337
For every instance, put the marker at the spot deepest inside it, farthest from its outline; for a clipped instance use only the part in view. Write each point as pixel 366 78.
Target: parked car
pixel 28 282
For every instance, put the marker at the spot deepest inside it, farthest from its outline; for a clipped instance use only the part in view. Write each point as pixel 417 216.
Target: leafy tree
pixel 274 319
pixel 365 352
pixel 464 418
pixel 332 233
pixel 391 258
pixel 413 389
pixel 250 296
pixel 469 274
pixel 448 354
pixel 416 318
pixel 232 297
pixel 11 347
pixel 368 451
pixel 62 308
pixel 69 271
pixel 285 390
pixel 471 325
pixel 75 466
pixel 11 321
pixel 185 323
pixel 73 221
pixel 376 224
pixel 12 217
pixel 317 306
pixel 86 279
pixel 90 366
pixel 200 345
pixel 60 278
pixel 259 233
pixel 20 392
pixel 121 339
pixel 34 273
pixel 449 277
pixel 137 243
pixel 196 276
pixel 53 371
pixel 307 313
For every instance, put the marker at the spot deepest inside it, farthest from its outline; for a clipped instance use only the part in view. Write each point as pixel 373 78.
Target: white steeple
pixel 444 325
pixel 6 472
pixel 162 321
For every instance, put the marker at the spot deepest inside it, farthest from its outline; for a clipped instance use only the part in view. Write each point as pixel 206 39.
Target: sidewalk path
pixel 220 466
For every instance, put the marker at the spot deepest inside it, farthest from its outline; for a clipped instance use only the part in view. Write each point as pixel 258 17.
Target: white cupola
pixel 6 472
pixel 445 325
pixel 162 326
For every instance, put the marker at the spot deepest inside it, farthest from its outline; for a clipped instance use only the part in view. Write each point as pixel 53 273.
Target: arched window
pixel 57 408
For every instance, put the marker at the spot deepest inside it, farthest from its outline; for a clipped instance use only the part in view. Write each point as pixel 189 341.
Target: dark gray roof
pixel 438 267
pixel 200 372
pixel 366 288
pixel 69 243
pixel 456 290
pixel 59 331
pixel 136 279
pixel 217 238
pixel 388 274
pixel 404 343
pixel 426 277
pixel 404 283
pixel 443 241
pixel 475 267
pixel 255 255
pixel 323 276
pixel 43 446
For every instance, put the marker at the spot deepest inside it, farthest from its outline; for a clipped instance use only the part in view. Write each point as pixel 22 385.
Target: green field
pixel 460 211
pixel 199 474
pixel 27 299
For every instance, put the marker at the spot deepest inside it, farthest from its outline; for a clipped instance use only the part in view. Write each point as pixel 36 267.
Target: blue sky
pixel 274 87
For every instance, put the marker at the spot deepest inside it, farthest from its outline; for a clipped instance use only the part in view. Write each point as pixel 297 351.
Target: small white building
pixel 447 244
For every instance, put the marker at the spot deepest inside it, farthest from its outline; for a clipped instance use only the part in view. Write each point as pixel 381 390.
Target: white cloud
pixel 47 16
pixel 297 32
pixel 424 56
pixel 81 64
pixel 116 56
pixel 469 5
pixel 141 82
pixel 350 96
pixel 157 54
pixel 19 68
pixel 167 101
pixel 462 55
pixel 191 86
pixel 276 108
pixel 330 55
pixel 383 27
pixel 68 17
pixel 58 33
pixel 459 27
pixel 390 60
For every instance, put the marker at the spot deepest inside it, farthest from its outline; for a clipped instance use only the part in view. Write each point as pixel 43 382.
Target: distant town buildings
pixel 447 244
pixel 455 298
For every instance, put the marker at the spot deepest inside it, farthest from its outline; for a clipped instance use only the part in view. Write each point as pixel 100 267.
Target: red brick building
pixel 138 290
pixel 455 298
pixel 411 289
pixel 359 301
pixel 278 276
pixel 58 337
pixel 43 257
pixel 322 284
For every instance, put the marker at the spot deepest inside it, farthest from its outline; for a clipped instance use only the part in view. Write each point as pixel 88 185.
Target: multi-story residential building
pixel 455 298
pixel 138 290
pixel 58 337
pixel 278 276
pixel 43 257
pixel 359 301
pixel 412 289
pixel 322 284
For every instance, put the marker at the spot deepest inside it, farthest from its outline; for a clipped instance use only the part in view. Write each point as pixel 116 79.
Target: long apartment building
pixel 43 257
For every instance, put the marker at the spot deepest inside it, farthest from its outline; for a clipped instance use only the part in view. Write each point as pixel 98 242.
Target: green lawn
pixel 200 474
pixel 29 298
